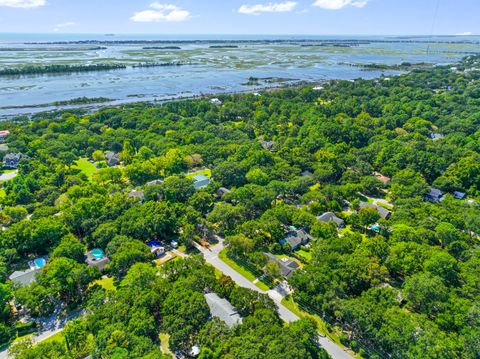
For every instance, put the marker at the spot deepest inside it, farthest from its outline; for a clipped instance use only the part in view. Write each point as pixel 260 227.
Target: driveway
pixel 50 326
pixel 211 257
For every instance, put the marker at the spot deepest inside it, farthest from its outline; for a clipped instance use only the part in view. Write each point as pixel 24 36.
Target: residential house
pixel 201 181
pixel 436 136
pixel 96 258
pixel 384 179
pixel 24 278
pixel 383 212
pixel 112 159
pixel 459 195
pixel 287 266
pixel 12 160
pixel 156 248
pixel 216 102
pixel 138 195
pixel 331 217
pixel 435 195
pixel 296 238
pixel 222 309
pixel 155 183
pixel 4 134
pixel 268 145
pixel 307 173
pixel 222 191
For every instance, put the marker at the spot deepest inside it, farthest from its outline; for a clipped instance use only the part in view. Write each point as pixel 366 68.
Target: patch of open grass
pixel 86 167
pixel 306 256
pixel 242 270
pixel 164 343
pixel 57 337
pixel 206 172
pixel 106 283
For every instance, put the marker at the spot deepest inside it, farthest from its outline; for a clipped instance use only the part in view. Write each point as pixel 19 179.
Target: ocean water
pixel 283 59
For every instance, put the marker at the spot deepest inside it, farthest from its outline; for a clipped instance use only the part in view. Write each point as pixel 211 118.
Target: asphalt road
pixel 211 257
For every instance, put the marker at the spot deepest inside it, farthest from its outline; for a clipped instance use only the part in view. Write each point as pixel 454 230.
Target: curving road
pixel 211 257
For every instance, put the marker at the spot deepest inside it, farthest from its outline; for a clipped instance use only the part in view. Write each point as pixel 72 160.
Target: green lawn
pixel 243 271
pixel 306 256
pixel 206 173
pixel 86 167
pixel 164 343
pixel 106 283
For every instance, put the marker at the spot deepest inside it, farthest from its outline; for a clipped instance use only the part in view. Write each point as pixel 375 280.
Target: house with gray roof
pixel 222 309
pixel 296 238
pixel 328 217
pixel 112 159
pixel 12 160
pixel 138 195
pixel 24 278
pixel 156 182
pixel 200 181
pixel 435 195
pixel 383 212
pixel 287 266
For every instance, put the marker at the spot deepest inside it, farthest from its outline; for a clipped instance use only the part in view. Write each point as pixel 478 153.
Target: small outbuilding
pixel 435 195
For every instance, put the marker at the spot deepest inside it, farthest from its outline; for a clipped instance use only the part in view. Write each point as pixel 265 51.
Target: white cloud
pixel 24 4
pixel 339 4
pixel 63 25
pixel 466 33
pixel 257 9
pixel 161 13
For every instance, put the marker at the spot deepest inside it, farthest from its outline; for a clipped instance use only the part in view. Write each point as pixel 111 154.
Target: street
pixel 211 257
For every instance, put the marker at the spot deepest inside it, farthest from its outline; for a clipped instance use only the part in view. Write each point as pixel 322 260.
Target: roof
pixel 307 173
pixel 436 136
pixel 223 191
pixel 200 177
pixel 296 238
pixel 201 181
pixel 24 277
pixel 287 266
pixel 330 217
pixel 4 133
pixel 136 194
pixel 222 309
pixel 435 195
pixel 382 178
pixel 383 212
pixel 459 195
pixel 155 182
pixel 112 158
pixel 268 145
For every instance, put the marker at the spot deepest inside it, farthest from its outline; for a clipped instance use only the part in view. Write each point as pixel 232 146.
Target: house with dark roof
pixel 12 160
pixel 222 309
pixel 287 266
pixel 435 195
pixel 383 212
pixel 24 278
pixel 328 217
pixel 296 238
pixel 112 159
pixel 222 191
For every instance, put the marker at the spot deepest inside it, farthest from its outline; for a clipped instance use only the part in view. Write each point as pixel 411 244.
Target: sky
pixel 277 17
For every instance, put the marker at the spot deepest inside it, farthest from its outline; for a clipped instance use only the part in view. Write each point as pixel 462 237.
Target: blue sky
pixel 322 17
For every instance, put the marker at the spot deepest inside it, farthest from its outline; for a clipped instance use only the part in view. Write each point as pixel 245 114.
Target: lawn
pixel 164 343
pixel 306 256
pixel 86 167
pixel 106 283
pixel 206 173
pixel 165 258
pixel 242 270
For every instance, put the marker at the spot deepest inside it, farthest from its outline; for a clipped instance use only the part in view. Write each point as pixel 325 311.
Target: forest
pixel 394 160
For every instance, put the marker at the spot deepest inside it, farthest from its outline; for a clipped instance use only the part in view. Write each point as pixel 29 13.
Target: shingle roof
pixel 287 266
pixel 222 309
pixel 330 217
pixel 383 212
pixel 297 237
